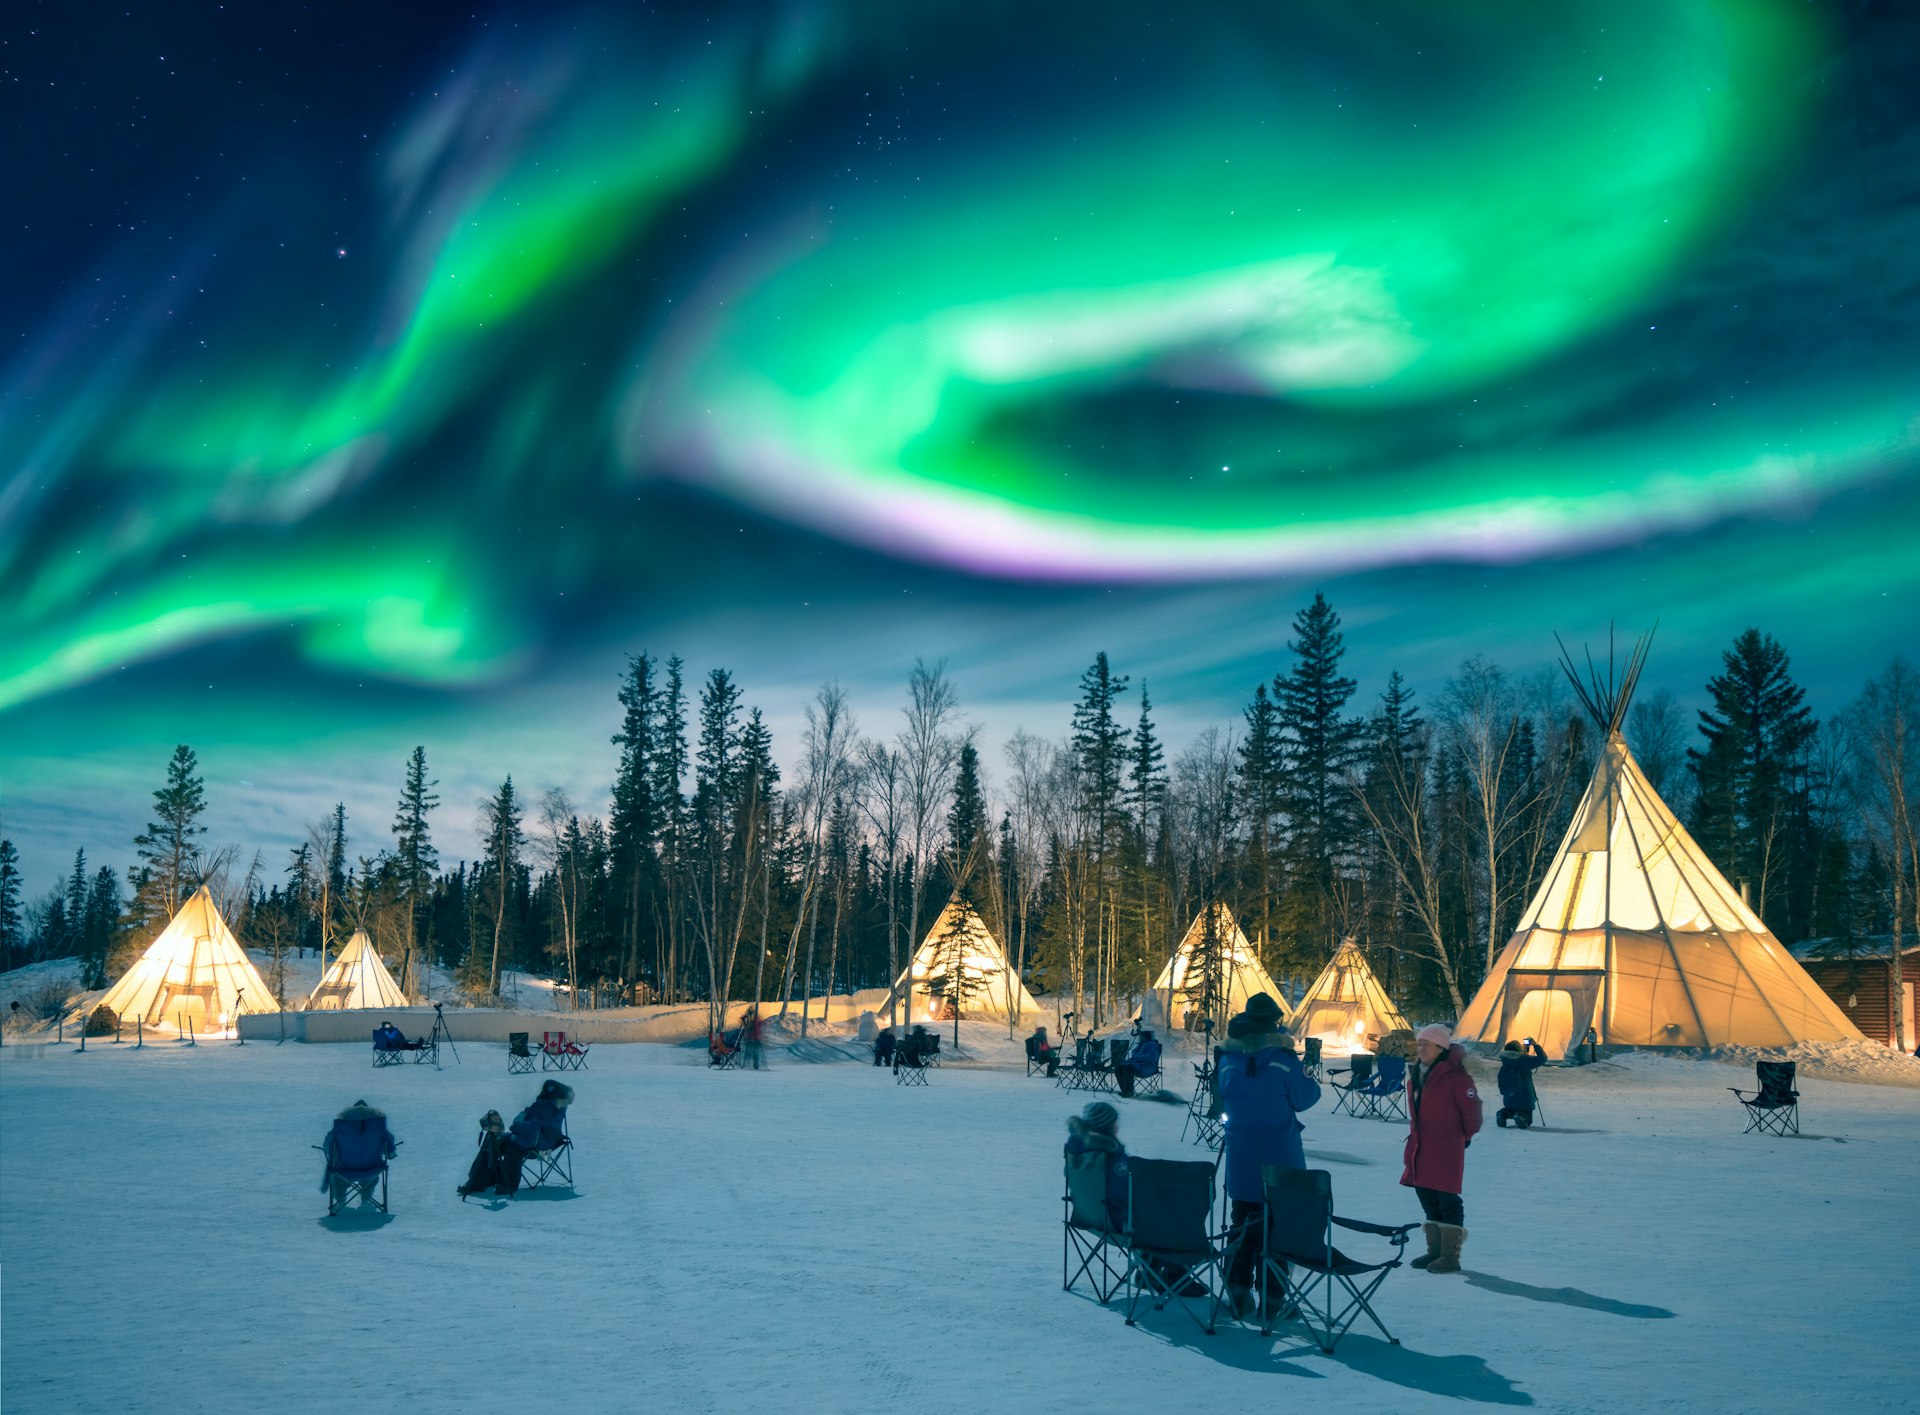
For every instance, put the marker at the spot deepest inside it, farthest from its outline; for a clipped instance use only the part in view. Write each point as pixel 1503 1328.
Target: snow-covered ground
pixel 815 1238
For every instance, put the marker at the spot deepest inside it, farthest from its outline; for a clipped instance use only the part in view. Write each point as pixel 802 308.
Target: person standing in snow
pixel 752 1039
pixel 1516 1083
pixel 1262 1088
pixel 1443 1116
pixel 884 1042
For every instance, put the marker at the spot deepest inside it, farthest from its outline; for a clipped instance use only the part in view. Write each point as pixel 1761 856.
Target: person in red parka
pixel 1443 1116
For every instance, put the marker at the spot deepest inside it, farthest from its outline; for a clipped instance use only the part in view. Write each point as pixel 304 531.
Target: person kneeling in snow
pixel 1516 1083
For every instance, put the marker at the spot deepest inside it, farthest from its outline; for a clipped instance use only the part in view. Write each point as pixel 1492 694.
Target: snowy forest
pixel 1417 821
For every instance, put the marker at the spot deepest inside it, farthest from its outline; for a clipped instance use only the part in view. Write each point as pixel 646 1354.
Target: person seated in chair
pixel 1045 1051
pixel 914 1048
pixel 1143 1060
pixel 484 1172
pixel 359 1113
pixel 1516 1083
pixel 390 1038
pixel 540 1126
pixel 884 1045
pixel 1093 1145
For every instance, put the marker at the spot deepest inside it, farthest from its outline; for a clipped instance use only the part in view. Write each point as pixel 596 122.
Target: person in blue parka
pixel 1263 1089
pixel 1516 1083
pixel 1143 1060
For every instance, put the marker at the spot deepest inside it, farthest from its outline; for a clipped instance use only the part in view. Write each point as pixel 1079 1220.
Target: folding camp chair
pixel 1169 1239
pixel 723 1050
pixel 1036 1059
pixel 1310 1057
pixel 1090 1071
pixel 1325 1289
pixel 387 1052
pixel 519 1054
pixel 1118 1050
pixel 1147 1083
pixel 550 1167
pixel 909 1066
pixel 1383 1096
pixel 356 1153
pixel 1775 1107
pixel 559 1054
pixel 1352 1100
pixel 1090 1246
pixel 1206 1126
pixel 931 1054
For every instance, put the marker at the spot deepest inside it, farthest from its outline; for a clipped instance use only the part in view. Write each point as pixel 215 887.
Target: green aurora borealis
pixel 573 333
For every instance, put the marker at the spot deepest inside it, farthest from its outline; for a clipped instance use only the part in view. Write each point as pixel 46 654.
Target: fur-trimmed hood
pixel 1251 1042
pixel 559 1092
pixel 360 1110
pixel 1092 1139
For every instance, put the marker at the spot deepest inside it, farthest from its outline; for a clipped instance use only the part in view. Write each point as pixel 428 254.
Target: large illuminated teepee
pixel 357 978
pixel 1635 934
pixel 196 969
pixel 1346 1004
pixel 1181 986
pixel 991 989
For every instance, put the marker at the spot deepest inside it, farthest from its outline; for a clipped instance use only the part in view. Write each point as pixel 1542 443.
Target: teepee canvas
pixel 1637 935
pixel 1346 1004
pixel 1179 990
pixel 991 987
pixel 357 978
pixel 195 969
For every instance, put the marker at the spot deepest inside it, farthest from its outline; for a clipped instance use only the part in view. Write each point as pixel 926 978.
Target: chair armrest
pixel 1740 1093
pixel 1395 1231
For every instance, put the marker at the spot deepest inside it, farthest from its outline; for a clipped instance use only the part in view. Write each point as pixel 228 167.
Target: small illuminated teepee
pixel 991 989
pixel 1636 935
pixel 196 969
pixel 1180 987
pixel 357 978
pixel 1346 1004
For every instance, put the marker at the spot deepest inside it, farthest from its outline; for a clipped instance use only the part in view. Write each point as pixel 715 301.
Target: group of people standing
pixel 1264 1088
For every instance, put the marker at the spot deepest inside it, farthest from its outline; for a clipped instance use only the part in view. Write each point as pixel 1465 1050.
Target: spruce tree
pixel 12 937
pixel 966 820
pixel 1751 799
pixel 1099 746
pixel 415 860
pixel 166 846
pixel 102 924
pixel 1320 743
pixel 635 821
pixel 1261 770
pixel 337 869
pixel 505 840
pixel 77 890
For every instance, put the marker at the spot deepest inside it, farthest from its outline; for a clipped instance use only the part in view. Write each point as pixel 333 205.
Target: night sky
pixel 381 374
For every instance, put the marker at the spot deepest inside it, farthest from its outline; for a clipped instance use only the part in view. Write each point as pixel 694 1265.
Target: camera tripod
pixel 441 1033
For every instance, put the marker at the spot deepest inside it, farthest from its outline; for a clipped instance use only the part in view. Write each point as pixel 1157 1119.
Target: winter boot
pixel 1240 1299
pixel 1500 1119
pixel 1425 1260
pixel 1452 1238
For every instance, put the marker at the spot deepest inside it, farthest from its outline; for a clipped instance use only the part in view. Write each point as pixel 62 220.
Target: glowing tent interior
pixel 196 969
pixel 1346 1004
pixel 357 978
pixel 992 988
pixel 1180 991
pixel 1637 935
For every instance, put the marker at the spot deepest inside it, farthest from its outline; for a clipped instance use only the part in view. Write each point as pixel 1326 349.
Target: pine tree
pixel 102 923
pixel 1099 747
pixel 166 846
pixel 636 820
pixel 501 869
pixel 1752 794
pixel 337 870
pixel 1262 771
pixel 967 845
pixel 1320 747
pixel 415 861
pixel 77 889
pixel 12 931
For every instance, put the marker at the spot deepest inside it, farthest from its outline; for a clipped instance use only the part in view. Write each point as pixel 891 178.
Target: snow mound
pixel 1861 1060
